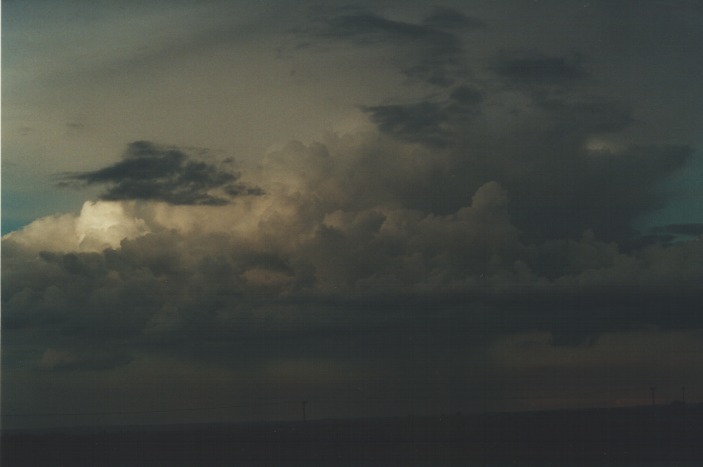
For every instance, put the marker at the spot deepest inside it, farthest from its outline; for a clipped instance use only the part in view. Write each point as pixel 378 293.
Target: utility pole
pixel 653 389
pixel 304 403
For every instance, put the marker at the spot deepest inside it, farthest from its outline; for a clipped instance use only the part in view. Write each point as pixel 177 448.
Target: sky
pixel 214 210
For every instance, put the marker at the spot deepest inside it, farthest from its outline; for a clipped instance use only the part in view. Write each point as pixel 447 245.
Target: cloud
pixel 433 50
pixel 65 360
pixel 374 28
pixel 605 193
pixel 332 283
pixel 301 261
pixel 447 18
pixel 478 229
pixel 424 122
pixel 155 173
pixel 432 123
pixel 466 96
pixel 545 163
pixel 691 229
pixel 540 70
pixel 618 366
pixel 533 132
pixel 361 233
pixel 526 119
pixel 99 225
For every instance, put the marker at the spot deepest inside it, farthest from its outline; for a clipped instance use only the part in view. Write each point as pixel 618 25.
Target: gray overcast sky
pixel 384 209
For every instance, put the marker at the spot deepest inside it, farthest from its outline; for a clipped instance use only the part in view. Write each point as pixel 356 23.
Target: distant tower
pixel 304 403
pixel 653 389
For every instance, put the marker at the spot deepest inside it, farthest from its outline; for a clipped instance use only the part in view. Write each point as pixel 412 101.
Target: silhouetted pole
pixel 304 403
pixel 653 389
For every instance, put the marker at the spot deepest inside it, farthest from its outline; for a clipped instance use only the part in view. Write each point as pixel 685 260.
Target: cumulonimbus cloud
pixel 478 231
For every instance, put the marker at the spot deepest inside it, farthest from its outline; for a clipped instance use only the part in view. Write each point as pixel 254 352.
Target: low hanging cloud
pixel 692 229
pixel 155 173
pixel 57 360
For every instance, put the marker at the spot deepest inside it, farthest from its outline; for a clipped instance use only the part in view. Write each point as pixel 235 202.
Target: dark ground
pixel 665 435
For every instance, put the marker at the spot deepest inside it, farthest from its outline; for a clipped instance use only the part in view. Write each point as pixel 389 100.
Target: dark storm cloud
pixel 493 204
pixel 549 105
pixel 642 241
pixel 579 315
pixel 695 229
pixel 547 168
pixel 342 293
pixel 431 123
pixel 372 28
pixel 544 161
pixel 447 18
pixel 603 192
pixel 664 235
pixel 435 280
pixel 433 54
pixel 579 114
pixel 563 87
pixel 79 295
pixel 355 272
pixel 58 360
pixel 540 70
pixel 415 122
pixel 466 95
pixel 155 173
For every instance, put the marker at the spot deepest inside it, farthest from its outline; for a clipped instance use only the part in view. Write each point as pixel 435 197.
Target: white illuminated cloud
pixel 599 144
pixel 100 225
